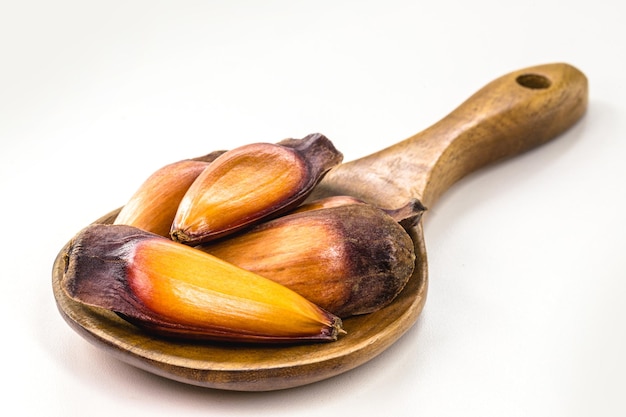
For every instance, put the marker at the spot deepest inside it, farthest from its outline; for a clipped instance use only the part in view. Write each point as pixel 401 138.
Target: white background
pixel 526 310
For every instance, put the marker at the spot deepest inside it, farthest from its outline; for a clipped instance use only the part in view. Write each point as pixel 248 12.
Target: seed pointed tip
pixel 178 235
pixel 338 329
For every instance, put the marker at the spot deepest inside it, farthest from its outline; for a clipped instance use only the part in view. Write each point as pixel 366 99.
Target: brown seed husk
pixel 349 259
pixel 250 184
pixel 171 289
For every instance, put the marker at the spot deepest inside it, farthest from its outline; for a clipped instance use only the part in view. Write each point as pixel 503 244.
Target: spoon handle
pixel 512 114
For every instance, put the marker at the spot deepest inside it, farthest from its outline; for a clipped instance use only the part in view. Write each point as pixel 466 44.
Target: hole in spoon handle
pixel 510 115
pixel 533 81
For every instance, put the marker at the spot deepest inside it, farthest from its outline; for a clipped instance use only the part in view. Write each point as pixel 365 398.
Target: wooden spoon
pixel 510 115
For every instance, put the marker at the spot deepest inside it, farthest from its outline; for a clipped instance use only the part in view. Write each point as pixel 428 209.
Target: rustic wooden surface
pixel 512 114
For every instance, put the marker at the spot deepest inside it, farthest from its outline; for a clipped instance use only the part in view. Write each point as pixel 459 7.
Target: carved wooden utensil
pixel 512 114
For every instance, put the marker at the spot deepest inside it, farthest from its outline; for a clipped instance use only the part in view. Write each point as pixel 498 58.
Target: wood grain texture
pixel 510 115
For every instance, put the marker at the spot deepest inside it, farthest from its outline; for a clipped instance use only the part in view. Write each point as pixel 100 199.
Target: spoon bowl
pixel 512 114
